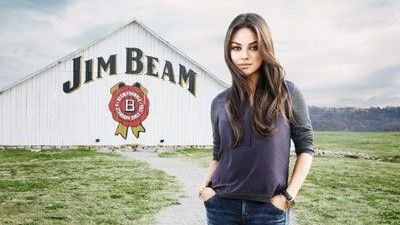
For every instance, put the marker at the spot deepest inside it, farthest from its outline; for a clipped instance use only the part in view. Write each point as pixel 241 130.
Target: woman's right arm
pixel 205 190
pixel 210 171
pixel 216 142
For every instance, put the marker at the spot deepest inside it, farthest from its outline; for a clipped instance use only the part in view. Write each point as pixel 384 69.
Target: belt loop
pixel 244 215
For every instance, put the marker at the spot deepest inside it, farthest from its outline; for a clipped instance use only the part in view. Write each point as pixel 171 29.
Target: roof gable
pixel 78 51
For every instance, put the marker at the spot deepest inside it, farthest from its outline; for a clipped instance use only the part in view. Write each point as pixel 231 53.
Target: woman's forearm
pixel 211 168
pixel 300 172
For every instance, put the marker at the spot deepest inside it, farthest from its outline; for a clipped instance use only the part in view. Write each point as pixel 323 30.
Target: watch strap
pixel 287 195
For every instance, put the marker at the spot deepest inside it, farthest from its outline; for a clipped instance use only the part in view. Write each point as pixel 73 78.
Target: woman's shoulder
pixel 290 86
pixel 221 96
pixel 293 89
pixel 217 103
pixel 296 94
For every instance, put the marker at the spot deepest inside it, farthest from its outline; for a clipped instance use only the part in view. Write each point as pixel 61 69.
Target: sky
pixel 339 53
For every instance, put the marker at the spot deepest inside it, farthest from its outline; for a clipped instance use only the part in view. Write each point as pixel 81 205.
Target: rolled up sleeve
pixel 215 132
pixel 301 131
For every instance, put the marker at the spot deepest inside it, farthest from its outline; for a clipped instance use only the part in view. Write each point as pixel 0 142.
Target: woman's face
pixel 244 51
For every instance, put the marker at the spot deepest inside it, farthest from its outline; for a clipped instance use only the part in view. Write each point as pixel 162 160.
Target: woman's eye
pixel 237 48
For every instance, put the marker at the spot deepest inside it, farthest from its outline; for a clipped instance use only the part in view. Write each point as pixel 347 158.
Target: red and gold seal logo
pixel 129 106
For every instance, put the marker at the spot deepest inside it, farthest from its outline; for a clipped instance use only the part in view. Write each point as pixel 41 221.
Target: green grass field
pixel 80 187
pixel 88 187
pixel 382 145
pixel 343 190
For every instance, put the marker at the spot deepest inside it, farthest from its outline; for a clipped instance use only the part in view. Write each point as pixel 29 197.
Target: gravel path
pixel 191 209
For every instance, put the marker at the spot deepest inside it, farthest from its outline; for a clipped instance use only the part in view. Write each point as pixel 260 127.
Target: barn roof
pixel 71 55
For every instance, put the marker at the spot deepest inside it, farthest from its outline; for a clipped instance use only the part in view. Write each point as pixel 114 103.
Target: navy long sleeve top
pixel 258 168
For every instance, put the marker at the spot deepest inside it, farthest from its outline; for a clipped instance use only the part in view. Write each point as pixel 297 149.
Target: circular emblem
pixel 129 106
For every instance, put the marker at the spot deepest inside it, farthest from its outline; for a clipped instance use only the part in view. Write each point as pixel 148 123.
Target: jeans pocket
pixel 210 199
pixel 276 209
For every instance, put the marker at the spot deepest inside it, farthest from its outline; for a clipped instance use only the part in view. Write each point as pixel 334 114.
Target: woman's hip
pixel 223 210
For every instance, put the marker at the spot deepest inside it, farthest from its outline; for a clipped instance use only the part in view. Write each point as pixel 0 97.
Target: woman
pixel 253 122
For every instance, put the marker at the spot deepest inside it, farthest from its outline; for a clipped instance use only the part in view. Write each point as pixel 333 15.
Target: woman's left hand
pixel 279 201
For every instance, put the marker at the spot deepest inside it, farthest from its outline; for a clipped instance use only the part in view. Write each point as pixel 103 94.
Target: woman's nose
pixel 244 54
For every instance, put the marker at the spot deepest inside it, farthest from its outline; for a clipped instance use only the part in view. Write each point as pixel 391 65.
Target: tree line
pixel 355 119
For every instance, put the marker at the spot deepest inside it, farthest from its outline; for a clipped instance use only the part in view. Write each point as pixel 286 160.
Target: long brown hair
pixel 271 97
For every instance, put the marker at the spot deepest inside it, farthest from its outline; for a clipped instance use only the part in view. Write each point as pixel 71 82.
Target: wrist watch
pixel 289 199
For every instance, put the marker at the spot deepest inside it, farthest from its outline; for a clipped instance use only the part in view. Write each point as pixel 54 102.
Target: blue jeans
pixel 227 211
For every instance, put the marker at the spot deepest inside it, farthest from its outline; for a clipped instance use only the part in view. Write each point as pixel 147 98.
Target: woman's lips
pixel 244 66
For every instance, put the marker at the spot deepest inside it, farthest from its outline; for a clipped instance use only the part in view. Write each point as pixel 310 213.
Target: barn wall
pixel 38 112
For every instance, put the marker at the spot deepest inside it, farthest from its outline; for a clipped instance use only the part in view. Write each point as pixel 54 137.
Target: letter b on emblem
pixel 129 105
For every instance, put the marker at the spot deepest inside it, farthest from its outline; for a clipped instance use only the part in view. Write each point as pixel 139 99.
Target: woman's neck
pixel 251 86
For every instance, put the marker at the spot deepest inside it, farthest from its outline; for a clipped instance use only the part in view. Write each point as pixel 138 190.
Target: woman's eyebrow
pixel 254 42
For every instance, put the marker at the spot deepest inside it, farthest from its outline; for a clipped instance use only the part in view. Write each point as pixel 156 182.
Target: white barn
pixel 130 87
